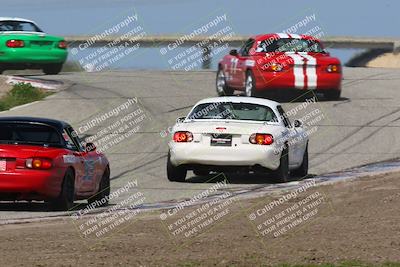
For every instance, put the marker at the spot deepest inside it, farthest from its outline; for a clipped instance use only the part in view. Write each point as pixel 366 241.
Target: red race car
pixel 43 159
pixel 280 61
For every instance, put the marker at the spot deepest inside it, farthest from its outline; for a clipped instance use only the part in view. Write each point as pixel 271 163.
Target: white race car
pixel 227 134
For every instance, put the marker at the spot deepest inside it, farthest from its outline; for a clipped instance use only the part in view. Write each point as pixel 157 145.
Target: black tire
pixel 104 190
pixel 201 172
pixel 65 201
pixel 332 94
pixel 175 173
pixel 52 69
pixel 222 88
pixel 302 171
pixel 250 84
pixel 281 175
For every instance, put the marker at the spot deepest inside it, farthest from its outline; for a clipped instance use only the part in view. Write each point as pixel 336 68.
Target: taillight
pixel 333 68
pixel 15 43
pixel 38 163
pixel 276 67
pixel 62 45
pixel 182 137
pixel 261 139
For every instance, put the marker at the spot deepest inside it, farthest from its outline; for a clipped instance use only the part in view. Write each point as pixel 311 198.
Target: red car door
pixel 85 180
pixel 242 61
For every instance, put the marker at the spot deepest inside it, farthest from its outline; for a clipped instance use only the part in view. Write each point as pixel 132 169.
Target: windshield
pixel 233 111
pixel 18 26
pixel 289 45
pixel 29 134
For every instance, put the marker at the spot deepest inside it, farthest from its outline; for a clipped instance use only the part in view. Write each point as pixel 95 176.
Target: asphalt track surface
pixel 360 128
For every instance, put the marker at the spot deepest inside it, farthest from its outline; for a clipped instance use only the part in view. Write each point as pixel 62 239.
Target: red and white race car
pixel 43 159
pixel 280 61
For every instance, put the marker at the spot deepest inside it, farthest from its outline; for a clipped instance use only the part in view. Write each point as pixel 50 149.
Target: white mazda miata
pixel 230 134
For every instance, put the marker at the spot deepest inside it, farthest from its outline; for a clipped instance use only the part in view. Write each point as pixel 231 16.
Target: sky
pixel 340 17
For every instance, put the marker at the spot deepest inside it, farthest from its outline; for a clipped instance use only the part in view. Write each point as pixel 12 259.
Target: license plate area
pixel 221 140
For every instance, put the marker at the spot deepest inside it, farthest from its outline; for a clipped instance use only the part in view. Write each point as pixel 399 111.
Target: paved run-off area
pixel 360 128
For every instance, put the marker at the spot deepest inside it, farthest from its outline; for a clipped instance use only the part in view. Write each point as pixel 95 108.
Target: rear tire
pixel 332 94
pixel 222 88
pixel 104 189
pixel 281 175
pixel 175 173
pixel 65 201
pixel 52 69
pixel 302 171
pixel 250 84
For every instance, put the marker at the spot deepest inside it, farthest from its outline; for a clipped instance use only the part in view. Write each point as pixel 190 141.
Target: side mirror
pixel 90 147
pixel 297 124
pixel 180 119
pixel 233 52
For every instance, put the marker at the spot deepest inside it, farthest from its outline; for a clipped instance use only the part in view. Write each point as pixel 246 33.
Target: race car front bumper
pixel 285 80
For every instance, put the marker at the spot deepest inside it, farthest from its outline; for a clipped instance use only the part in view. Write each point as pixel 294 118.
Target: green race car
pixel 23 45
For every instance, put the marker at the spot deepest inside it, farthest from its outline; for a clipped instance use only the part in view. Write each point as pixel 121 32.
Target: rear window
pixel 18 26
pixel 233 111
pixel 290 45
pixel 30 134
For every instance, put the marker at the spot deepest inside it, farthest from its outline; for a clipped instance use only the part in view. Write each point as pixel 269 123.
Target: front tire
pixel 222 88
pixel 250 84
pixel 281 175
pixel 104 189
pixel 52 69
pixel 175 173
pixel 65 201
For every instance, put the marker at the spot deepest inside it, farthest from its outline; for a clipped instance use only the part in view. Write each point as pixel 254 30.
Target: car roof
pixel 60 125
pixel 15 19
pixel 240 99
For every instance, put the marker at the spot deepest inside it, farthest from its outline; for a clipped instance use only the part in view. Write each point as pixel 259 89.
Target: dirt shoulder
pixel 386 60
pixel 348 221
pixel 4 87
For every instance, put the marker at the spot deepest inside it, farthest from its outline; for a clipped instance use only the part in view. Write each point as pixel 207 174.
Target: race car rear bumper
pixel 30 185
pixel 284 80
pixel 245 155
pixel 18 56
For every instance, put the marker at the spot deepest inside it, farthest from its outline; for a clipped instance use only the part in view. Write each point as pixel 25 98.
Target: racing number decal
pixel 234 64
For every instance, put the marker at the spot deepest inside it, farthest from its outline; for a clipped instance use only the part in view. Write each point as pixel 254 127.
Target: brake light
pixel 15 43
pixel 62 45
pixel 261 139
pixel 38 163
pixel 333 68
pixel 183 137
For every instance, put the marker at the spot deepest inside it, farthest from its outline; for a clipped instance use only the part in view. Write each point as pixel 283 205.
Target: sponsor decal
pixel 250 63
pixel 69 159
